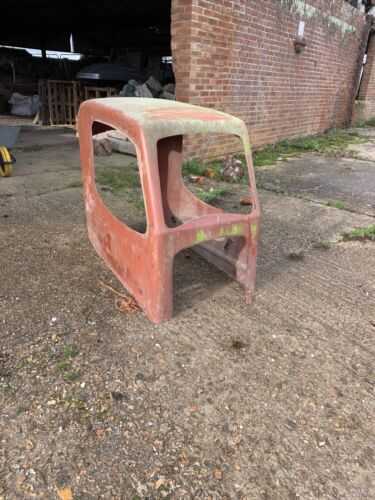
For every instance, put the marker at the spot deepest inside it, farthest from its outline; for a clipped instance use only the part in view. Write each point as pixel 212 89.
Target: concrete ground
pixel 225 401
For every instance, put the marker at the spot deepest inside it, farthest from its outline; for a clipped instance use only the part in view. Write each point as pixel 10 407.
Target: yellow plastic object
pixel 6 163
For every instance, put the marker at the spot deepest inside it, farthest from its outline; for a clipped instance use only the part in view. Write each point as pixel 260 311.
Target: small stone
pixel 218 474
pixel 139 377
pixel 52 402
pixel 29 444
pixel 291 424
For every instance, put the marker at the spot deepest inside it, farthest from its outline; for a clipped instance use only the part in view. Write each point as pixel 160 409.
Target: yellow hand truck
pixel 6 162
pixel 8 138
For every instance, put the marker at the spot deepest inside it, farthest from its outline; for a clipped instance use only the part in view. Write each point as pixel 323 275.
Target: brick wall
pixel 238 56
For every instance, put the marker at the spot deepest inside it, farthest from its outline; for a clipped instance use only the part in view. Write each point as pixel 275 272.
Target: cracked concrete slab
pixel 325 179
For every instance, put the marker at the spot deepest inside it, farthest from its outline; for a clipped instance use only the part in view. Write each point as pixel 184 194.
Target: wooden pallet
pixel 60 101
pixel 98 92
pixel 64 98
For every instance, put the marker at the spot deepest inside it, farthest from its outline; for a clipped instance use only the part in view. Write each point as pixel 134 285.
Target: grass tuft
pixel 332 141
pixel 70 351
pixel 211 170
pixel 336 204
pixel 193 167
pixel 118 178
pixel 211 195
pixel 67 371
pixel 361 234
pixel 322 245
pixel 71 376
pixel 63 366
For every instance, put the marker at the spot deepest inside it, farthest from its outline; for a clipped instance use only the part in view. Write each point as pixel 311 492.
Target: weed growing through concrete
pixel 193 167
pixel 70 351
pixel 361 234
pixel 336 204
pixel 67 371
pixel 64 366
pixel 211 170
pixel 211 195
pixel 71 376
pixel 322 245
pixel 118 178
pixel 136 199
pixel 333 141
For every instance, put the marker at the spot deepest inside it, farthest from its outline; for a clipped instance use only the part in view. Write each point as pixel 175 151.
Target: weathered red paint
pixel 144 262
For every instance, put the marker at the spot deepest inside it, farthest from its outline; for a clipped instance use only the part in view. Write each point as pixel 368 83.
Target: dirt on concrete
pixel 225 401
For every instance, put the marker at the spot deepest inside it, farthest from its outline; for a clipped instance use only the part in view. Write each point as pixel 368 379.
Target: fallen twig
pixel 126 303
pixel 109 287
